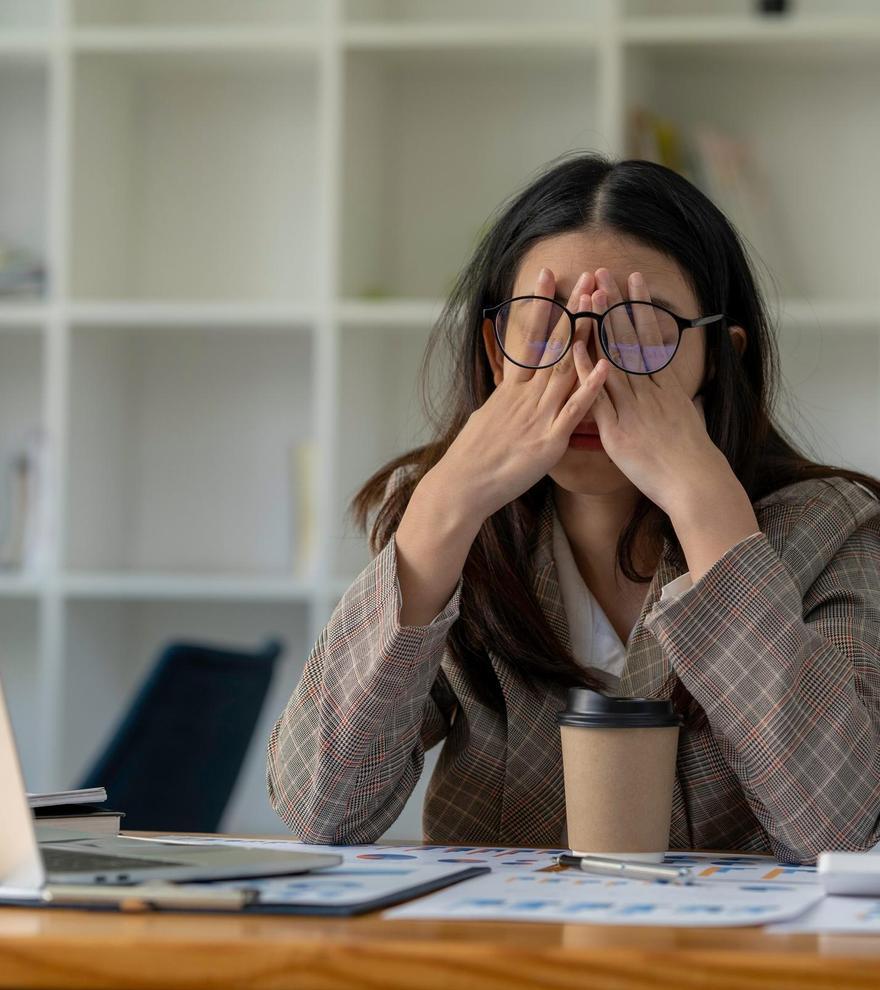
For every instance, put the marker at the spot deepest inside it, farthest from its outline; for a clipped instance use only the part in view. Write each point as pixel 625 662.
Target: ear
pixel 493 351
pixel 738 338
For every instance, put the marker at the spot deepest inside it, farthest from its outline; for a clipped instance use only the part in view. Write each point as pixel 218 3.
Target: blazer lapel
pixel 646 673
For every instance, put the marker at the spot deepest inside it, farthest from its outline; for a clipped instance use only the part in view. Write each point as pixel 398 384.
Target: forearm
pixel 711 516
pixel 793 702
pixel 347 751
pixel 433 539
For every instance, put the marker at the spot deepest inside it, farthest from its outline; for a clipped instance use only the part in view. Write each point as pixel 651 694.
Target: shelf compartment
pixel 20 670
pixel 828 315
pixel 23 534
pixel 21 387
pixel 830 399
pixel 111 646
pixel 379 389
pixel 185 187
pixel 463 37
pixel 195 40
pixel 219 317
pixel 182 449
pixel 194 12
pixel 824 41
pixel 389 312
pixel 678 12
pixel 26 15
pixel 121 587
pixel 813 251
pixel 420 179
pixel 23 163
pixel 499 12
pixel 15 585
pixel 21 317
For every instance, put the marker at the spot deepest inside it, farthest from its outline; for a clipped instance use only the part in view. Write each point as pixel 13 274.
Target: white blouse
pixel 594 640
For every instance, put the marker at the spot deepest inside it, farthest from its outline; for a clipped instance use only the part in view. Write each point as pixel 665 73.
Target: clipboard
pixel 210 898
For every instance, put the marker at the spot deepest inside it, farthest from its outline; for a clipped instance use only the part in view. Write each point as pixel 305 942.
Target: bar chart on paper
pixel 728 890
pixel 596 900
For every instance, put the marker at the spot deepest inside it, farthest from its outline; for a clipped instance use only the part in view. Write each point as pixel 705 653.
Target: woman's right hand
pixel 522 430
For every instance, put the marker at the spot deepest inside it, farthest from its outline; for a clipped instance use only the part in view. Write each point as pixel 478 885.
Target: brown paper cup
pixel 618 758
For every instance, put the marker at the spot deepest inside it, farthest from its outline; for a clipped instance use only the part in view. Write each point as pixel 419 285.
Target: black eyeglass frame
pixel 490 312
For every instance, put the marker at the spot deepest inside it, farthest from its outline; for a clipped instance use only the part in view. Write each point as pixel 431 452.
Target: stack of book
pixel 78 811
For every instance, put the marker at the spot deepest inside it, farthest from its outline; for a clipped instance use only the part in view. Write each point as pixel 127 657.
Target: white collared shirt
pixel 594 641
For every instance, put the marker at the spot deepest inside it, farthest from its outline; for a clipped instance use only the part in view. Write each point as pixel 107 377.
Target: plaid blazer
pixel 772 657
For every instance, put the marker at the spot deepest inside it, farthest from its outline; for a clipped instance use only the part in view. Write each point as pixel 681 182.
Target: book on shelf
pixel 15 477
pixel 22 274
pixel 24 479
pixel 302 515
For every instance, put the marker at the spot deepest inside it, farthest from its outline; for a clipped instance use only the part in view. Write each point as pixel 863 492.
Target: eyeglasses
pixel 637 337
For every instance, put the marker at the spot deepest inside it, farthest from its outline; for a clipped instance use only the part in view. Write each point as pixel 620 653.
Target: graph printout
pixel 836 916
pixel 573 896
pixel 525 884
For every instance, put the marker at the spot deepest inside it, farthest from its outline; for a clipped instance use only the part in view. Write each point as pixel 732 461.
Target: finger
pixel 585 395
pixel 655 331
pixel 561 376
pixel 617 384
pixel 600 406
pixel 525 329
pixel 621 326
pixel 558 381
pixel 621 342
pixel 557 354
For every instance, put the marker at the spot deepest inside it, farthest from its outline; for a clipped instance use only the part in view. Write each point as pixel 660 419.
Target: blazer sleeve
pixel 790 685
pixel 347 751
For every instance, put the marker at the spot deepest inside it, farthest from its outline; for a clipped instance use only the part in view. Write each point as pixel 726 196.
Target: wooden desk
pixel 81 949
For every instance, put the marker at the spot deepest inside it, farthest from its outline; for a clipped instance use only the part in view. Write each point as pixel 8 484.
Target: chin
pixel 589 473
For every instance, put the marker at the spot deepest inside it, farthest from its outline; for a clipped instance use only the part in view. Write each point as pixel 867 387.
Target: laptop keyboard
pixel 73 860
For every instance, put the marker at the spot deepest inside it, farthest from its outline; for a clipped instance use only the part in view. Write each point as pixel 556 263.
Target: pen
pixel 629 869
pixel 151 896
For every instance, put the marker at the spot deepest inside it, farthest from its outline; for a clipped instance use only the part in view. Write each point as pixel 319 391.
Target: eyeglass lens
pixel 639 337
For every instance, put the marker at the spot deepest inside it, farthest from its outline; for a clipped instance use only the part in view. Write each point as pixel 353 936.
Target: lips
pixel 590 431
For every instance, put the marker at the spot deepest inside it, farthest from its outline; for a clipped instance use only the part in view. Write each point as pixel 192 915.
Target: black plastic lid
pixel 594 710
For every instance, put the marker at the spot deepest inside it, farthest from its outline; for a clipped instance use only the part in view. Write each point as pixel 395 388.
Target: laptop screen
pixel 21 866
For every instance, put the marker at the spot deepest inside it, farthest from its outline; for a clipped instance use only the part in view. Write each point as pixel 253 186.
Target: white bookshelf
pixel 251 214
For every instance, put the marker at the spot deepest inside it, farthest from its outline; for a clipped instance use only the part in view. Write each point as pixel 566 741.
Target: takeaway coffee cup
pixel 618 760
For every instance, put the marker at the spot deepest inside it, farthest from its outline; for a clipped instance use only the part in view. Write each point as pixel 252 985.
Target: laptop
pixel 77 858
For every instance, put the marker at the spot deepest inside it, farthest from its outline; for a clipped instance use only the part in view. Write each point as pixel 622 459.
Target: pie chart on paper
pixel 384 856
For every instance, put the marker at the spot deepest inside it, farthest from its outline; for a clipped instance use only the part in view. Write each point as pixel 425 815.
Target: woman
pixel 512 556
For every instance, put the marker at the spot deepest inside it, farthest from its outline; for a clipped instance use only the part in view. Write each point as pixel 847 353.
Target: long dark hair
pixel 663 210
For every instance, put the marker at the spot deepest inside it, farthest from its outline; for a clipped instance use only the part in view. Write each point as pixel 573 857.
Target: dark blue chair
pixel 174 758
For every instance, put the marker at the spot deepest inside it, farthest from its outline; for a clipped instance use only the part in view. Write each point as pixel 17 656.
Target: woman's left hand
pixel 649 426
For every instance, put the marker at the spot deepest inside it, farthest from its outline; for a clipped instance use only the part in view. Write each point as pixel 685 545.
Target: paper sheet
pixel 525 884
pixel 836 916
pixel 732 867
pixel 571 896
